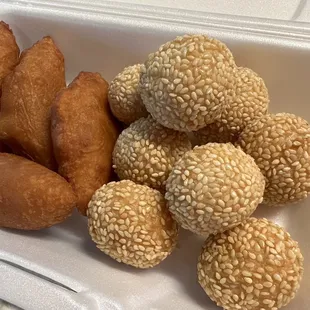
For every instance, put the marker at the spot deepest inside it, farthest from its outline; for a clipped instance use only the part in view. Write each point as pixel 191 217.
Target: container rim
pixel 251 25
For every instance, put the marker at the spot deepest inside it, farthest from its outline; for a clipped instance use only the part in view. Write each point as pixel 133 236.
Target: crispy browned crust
pixel 9 51
pixel 32 197
pixel 84 133
pixel 26 101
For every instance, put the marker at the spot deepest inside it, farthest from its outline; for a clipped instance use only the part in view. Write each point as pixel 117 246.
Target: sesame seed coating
pixel 253 266
pixel 250 102
pixel 146 151
pixel 216 132
pixel 185 84
pixel 124 97
pixel 214 187
pixel 280 146
pixel 132 224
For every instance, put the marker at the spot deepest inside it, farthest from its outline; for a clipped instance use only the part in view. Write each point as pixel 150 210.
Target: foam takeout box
pixel 60 268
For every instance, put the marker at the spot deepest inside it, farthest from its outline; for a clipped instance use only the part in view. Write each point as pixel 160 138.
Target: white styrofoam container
pixel 60 268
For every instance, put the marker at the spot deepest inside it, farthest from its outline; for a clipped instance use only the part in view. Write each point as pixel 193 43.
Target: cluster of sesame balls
pixel 192 87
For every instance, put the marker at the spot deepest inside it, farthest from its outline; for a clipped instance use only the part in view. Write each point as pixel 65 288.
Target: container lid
pixel 293 10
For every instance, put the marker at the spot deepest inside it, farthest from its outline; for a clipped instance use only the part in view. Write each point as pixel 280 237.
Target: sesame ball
pixel 146 151
pixel 124 97
pixel 214 187
pixel 216 132
pixel 130 223
pixel 280 145
pixel 254 266
pixel 185 84
pixel 250 102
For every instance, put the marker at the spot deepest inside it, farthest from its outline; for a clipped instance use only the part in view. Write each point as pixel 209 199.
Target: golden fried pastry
pixel 84 133
pixel 31 196
pixel 27 95
pixel 9 51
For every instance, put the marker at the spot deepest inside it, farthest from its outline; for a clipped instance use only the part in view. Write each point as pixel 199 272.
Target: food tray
pixel 59 267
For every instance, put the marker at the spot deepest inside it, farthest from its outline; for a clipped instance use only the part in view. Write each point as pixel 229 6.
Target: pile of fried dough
pixel 56 142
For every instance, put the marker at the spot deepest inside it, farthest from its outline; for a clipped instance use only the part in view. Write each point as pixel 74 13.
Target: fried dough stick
pixel 32 196
pixel 26 101
pixel 9 51
pixel 84 133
